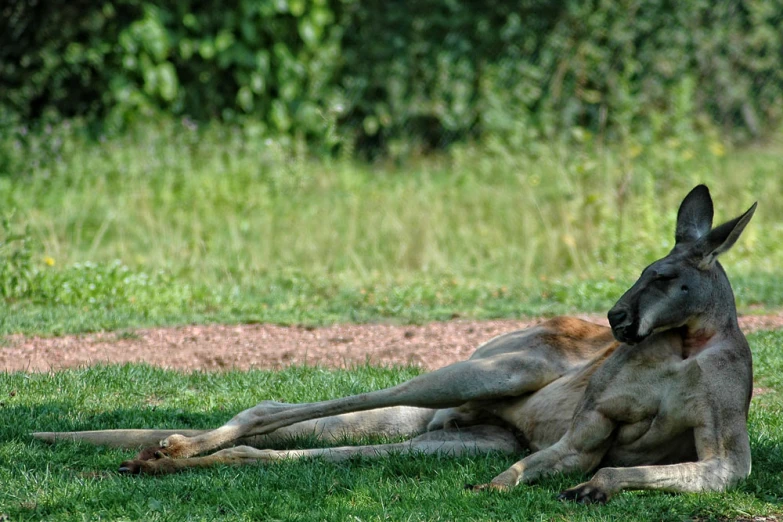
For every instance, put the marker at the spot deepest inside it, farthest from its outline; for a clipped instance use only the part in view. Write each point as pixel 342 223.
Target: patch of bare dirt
pixel 222 347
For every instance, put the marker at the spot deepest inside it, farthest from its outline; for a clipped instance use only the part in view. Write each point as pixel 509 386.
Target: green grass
pixel 78 482
pixel 164 226
pixel 319 301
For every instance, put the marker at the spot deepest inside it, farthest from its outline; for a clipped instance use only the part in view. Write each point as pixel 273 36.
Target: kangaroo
pixel 658 400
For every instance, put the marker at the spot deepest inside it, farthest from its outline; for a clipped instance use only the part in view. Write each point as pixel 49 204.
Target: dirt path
pixel 221 347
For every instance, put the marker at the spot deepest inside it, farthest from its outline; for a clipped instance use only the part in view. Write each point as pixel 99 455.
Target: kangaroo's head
pixel 688 286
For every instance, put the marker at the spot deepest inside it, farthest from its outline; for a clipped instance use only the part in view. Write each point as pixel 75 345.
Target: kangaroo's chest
pixel 652 404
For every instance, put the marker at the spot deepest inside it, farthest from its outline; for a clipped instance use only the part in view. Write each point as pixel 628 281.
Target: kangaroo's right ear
pixel 721 238
pixel 694 219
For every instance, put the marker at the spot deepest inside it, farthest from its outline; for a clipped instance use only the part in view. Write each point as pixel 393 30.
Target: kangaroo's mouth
pixel 628 334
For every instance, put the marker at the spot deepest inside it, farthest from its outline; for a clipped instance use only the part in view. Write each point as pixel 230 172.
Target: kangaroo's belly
pixel 544 416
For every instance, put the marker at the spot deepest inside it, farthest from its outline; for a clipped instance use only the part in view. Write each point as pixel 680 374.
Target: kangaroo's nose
pixel 617 317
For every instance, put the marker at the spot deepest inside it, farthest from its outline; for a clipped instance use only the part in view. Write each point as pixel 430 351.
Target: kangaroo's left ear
pixel 721 238
pixel 694 219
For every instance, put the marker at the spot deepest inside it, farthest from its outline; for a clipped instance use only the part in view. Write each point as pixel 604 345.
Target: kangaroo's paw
pixel 585 494
pixel 157 460
pixel 153 453
pixel 158 466
pixel 173 446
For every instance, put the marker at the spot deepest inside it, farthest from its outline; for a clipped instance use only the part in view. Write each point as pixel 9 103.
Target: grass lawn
pixel 79 482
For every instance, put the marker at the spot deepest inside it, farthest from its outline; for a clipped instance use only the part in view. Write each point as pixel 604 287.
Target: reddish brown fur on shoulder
pixel 575 340
pixel 578 329
pixel 590 368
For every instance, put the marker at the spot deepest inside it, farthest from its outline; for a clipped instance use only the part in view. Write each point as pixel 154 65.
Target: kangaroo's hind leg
pixel 471 440
pixel 398 421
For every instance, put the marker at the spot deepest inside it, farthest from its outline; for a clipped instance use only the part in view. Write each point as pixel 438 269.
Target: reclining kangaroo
pixel 659 401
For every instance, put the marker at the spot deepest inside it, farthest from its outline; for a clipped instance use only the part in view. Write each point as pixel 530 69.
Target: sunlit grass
pixel 76 482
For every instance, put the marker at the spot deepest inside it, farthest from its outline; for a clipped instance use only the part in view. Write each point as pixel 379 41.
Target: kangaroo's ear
pixel 694 219
pixel 721 238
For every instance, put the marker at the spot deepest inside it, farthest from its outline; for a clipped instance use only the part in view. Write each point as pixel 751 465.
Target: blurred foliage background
pixel 380 77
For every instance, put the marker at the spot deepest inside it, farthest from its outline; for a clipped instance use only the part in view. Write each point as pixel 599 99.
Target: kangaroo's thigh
pixel 395 421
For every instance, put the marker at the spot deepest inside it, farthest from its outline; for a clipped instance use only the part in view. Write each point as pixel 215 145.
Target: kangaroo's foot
pixel 157 464
pixel 158 460
pixel 173 447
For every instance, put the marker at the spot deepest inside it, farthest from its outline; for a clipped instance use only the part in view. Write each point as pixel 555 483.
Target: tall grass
pixel 216 208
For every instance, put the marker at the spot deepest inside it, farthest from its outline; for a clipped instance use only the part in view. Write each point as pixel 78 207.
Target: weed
pixel 17 270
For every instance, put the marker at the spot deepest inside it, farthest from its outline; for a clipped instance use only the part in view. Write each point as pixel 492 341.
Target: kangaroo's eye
pixel 684 288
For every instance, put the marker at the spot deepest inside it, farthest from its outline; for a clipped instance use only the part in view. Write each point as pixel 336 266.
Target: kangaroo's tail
pixel 131 439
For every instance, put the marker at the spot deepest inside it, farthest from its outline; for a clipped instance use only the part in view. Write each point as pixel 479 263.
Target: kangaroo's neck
pixel 695 340
pixel 704 331
pixel 717 322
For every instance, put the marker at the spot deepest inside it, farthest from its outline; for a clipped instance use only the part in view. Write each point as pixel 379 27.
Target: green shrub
pixel 387 76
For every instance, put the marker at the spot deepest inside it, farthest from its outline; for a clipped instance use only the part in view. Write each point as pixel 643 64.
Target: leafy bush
pixel 394 74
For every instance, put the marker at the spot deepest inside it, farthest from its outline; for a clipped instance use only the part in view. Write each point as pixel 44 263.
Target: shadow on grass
pixel 58 416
